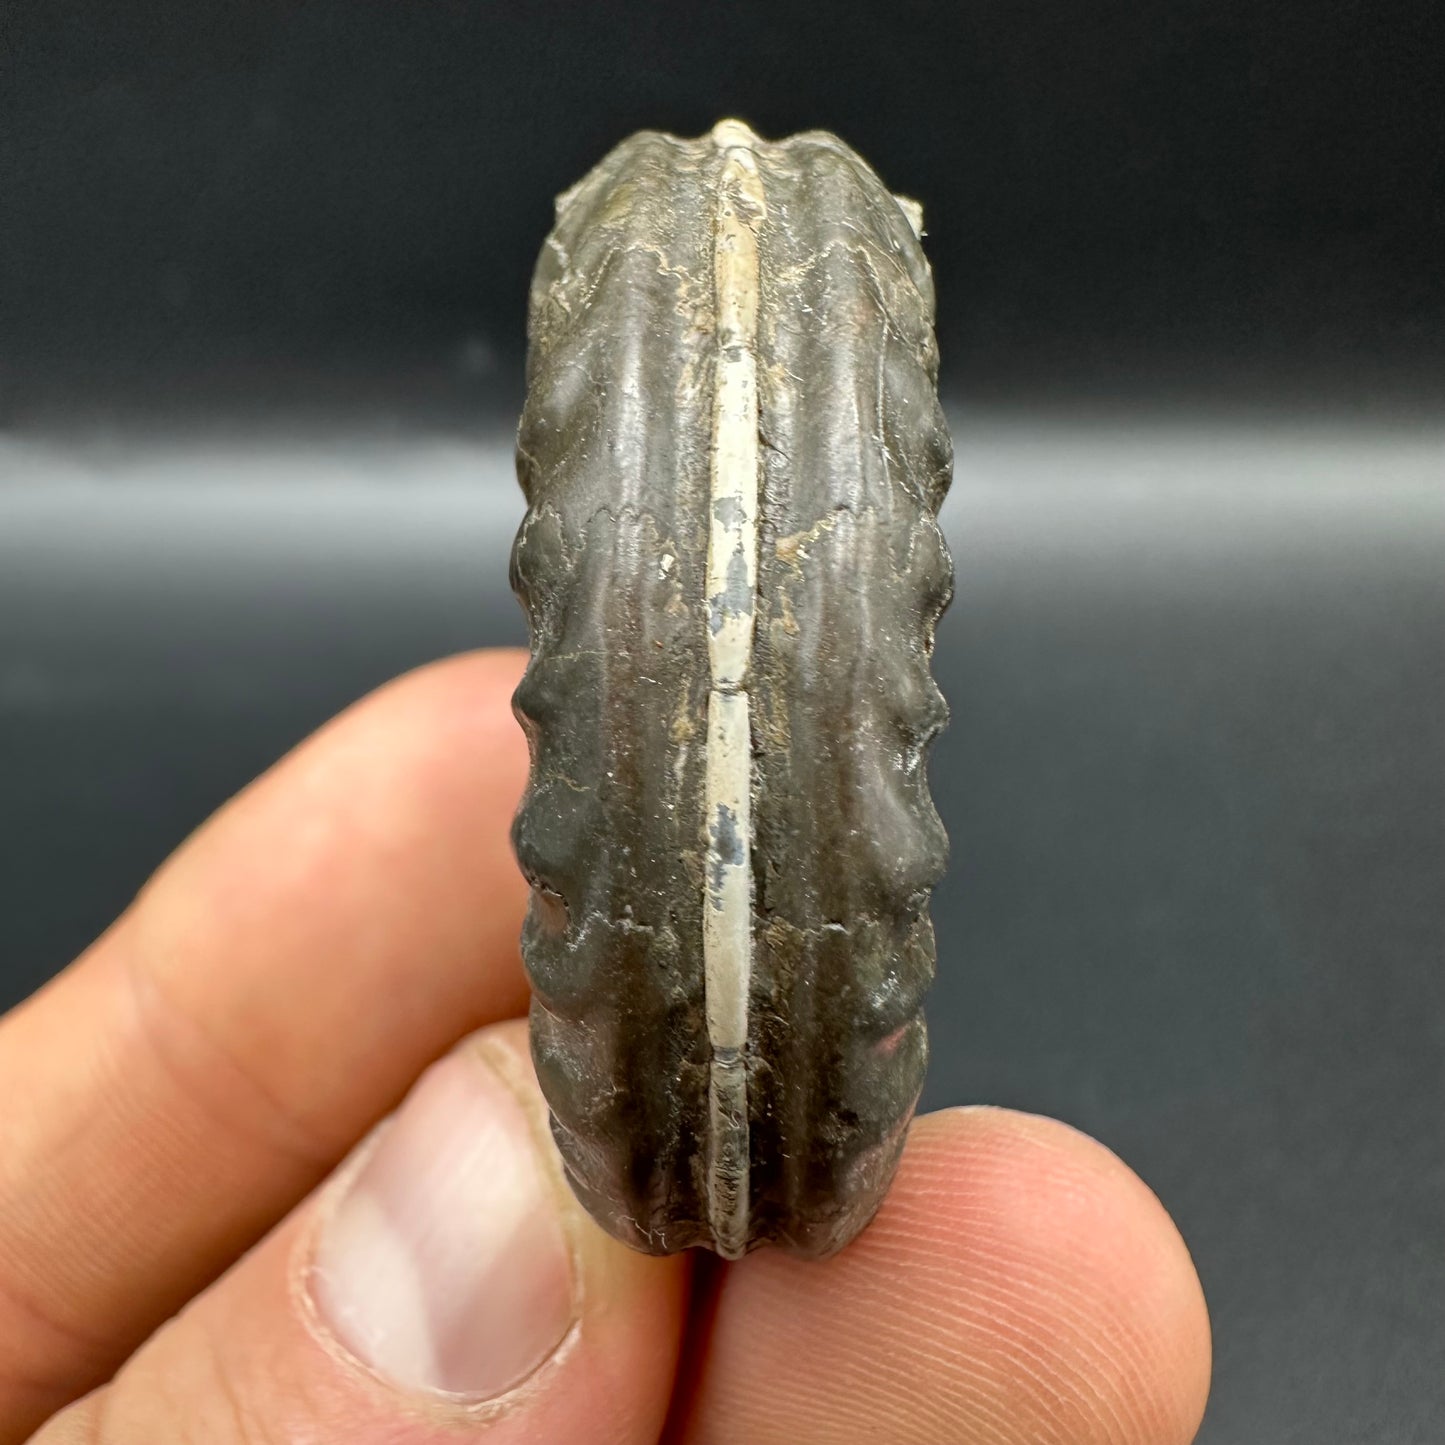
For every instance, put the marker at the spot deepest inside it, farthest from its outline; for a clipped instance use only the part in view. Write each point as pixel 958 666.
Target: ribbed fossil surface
pixel 733 457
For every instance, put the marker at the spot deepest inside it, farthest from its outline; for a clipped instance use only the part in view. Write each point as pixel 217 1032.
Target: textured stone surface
pixel 703 306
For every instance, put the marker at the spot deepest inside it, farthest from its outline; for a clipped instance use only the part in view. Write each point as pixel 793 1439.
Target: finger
pixel 1019 1285
pixel 273 991
pixel 444 1288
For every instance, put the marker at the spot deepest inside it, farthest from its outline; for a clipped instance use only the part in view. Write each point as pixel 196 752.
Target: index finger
pixel 275 989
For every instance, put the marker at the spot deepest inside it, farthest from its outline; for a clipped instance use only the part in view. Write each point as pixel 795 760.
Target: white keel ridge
pixel 732 566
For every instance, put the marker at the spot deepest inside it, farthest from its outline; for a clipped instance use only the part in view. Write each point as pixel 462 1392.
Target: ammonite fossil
pixel 733 457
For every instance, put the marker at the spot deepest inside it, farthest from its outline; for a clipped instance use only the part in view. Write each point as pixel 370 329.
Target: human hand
pixel 179 1093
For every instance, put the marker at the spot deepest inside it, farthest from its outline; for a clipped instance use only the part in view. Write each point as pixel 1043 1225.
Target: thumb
pixel 443 1287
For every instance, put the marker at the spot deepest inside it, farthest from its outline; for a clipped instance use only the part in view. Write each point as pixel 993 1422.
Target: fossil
pixel 733 457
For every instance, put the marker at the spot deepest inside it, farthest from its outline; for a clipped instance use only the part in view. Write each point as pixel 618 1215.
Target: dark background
pixel 262 274
pixel 1206 194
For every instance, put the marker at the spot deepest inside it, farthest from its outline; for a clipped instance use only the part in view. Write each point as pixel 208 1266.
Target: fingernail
pixel 444 1266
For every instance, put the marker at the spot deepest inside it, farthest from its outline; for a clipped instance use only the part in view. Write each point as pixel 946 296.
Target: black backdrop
pixel 1232 194
pixel 262 272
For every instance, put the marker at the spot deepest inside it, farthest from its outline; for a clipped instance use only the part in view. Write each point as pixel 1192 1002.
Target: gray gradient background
pixel 261 283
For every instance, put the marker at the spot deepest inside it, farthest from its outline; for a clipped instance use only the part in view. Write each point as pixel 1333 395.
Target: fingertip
pixel 444 1286
pixel 279 983
pixel 465 680
pixel 410 725
pixel 631 1308
pixel 379 846
pixel 455 1262
pixel 1020 1283
pixel 1111 1278
pixel 536 1324
pixel 447 725
pixel 632 1311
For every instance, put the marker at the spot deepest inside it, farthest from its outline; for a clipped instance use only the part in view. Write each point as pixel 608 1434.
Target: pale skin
pixel 182 1092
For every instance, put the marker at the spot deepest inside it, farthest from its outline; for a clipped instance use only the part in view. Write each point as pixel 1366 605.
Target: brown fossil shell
pixel 733 457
